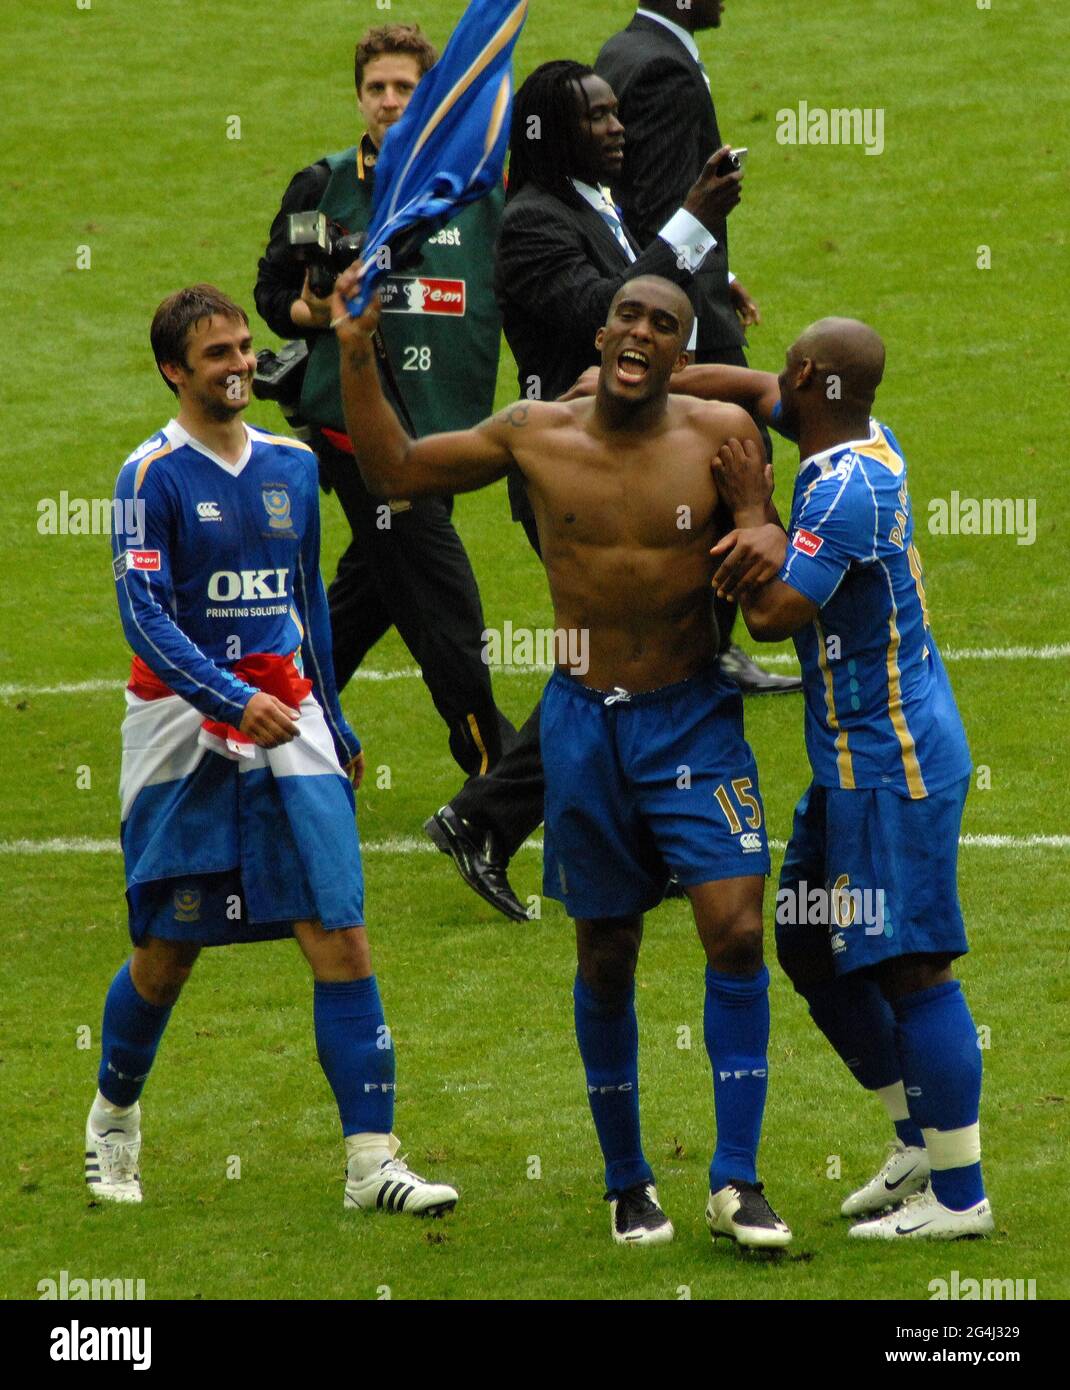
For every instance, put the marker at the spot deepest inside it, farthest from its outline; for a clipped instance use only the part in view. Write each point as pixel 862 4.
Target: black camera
pixel 323 247
pixel 278 378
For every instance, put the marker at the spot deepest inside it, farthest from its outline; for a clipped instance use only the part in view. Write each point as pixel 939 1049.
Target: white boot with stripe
pixel 390 1185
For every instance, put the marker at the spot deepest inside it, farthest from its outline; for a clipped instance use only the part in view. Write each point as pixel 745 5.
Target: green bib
pixel 440 322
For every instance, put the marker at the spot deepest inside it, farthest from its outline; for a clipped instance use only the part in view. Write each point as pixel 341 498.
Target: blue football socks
pixel 608 1035
pixel 941 1062
pixel 859 1023
pixel 736 1028
pixel 130 1035
pixel 356 1053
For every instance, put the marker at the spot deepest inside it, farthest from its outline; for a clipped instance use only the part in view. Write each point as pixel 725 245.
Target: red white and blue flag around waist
pixel 199 798
pixel 449 147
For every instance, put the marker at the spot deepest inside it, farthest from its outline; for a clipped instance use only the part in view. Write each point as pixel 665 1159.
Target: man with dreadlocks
pixel 563 253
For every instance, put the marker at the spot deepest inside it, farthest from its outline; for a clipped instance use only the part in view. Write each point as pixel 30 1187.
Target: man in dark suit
pixel 667 109
pixel 562 255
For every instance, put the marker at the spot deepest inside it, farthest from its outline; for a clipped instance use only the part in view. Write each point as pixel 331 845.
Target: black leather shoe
pixel 479 859
pixel 738 667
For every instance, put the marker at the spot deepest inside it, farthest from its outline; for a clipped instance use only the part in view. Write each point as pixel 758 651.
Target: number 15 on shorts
pixel 749 807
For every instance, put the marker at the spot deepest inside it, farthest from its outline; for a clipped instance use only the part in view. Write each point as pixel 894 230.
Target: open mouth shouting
pixel 632 365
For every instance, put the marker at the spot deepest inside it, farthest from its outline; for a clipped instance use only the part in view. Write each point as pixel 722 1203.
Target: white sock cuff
pixel 115 1112
pixel 370 1149
pixel 894 1100
pixel 953 1148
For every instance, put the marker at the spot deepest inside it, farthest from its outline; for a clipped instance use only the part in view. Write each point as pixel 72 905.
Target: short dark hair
pixel 393 38
pixel 547 153
pixel 182 311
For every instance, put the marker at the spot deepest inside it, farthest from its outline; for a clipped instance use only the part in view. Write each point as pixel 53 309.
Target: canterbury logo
pixel 209 511
pixel 750 842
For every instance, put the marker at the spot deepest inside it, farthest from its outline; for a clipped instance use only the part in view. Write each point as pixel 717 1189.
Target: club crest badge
pixel 277 505
pixel 187 905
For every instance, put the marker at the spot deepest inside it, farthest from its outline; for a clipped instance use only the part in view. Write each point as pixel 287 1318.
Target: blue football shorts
pixel 203 910
pixel 641 786
pixel 887 867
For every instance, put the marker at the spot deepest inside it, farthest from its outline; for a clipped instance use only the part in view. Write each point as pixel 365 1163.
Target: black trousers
pixel 509 799
pixel 408 569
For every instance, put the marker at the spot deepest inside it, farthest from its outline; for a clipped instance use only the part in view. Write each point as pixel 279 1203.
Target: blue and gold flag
pixel 449 147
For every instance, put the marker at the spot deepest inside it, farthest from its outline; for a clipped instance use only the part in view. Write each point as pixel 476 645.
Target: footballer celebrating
pixel 237 817
pixel 647 771
pixel 890 768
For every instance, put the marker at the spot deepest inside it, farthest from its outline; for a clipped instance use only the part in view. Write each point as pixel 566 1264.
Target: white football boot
pixel 904 1172
pixel 741 1211
pixel 922 1217
pixel 636 1218
pixel 111 1161
pixel 395 1187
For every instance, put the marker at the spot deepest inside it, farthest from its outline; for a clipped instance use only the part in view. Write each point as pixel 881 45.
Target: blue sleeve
pixel 776 421
pixel 141 549
pixel 834 528
pixel 316 648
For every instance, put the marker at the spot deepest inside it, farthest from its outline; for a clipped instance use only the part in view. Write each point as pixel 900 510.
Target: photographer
pixel 406 566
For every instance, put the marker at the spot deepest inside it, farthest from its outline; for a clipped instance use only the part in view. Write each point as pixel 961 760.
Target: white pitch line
pixel 1054 652
pixel 409 844
pixel 1015 841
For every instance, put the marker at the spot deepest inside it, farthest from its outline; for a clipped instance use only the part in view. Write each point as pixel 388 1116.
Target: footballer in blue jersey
pixel 237 820
pixel 868 918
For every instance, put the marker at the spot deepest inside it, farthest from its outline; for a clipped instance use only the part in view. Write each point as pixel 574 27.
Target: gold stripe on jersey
pixel 844 761
pixel 881 452
pixel 911 769
pixel 263 438
pixel 143 466
pixel 914 560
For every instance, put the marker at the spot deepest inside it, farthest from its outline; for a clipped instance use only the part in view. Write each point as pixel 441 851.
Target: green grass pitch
pixel 116 140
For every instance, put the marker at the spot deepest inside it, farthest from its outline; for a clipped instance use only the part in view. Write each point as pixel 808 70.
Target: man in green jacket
pixel 406 566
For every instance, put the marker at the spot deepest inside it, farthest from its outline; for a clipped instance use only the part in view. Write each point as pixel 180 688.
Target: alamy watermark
pixel 842 125
pixel 542 646
pixel 92 516
pixel 984 516
pixel 68 1288
pixel 838 906
pixel 78 1343
pixel 1005 1290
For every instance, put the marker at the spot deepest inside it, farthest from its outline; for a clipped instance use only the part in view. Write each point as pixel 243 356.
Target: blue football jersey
pixel 879 707
pixel 216 561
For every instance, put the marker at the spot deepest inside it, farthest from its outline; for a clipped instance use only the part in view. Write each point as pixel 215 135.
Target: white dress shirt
pixel 686 235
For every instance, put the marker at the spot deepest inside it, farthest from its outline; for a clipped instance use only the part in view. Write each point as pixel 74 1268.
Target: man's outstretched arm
pixel 756 392
pixel 391 462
